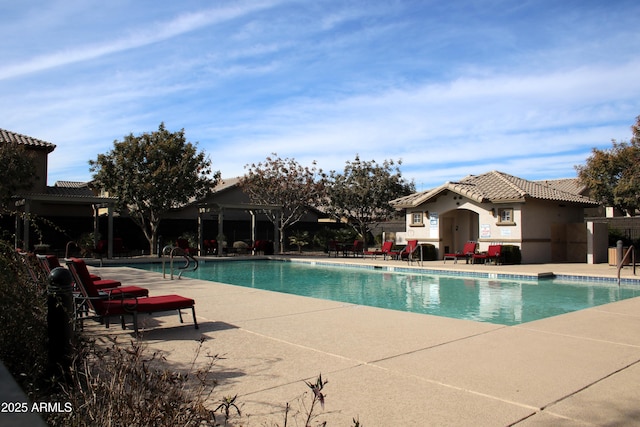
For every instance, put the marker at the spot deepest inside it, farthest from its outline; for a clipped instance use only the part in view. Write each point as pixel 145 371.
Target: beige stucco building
pixel 543 218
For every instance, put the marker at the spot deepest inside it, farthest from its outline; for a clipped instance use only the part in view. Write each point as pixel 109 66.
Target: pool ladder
pixel 624 258
pixel 191 264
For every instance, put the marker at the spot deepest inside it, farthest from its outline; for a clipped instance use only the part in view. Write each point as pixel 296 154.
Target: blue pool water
pixel 506 302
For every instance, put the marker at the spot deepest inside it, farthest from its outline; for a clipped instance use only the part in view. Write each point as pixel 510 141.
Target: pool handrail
pixel 633 261
pixel 172 251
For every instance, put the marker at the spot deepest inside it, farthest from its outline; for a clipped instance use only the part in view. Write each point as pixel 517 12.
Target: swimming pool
pixel 506 302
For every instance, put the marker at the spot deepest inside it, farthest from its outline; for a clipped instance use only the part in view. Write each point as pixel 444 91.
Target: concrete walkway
pixel 390 368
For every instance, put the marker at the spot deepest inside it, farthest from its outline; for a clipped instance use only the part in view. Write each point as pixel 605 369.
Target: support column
pixel 110 233
pixel 200 232
pixel 220 236
pixel 276 234
pixel 96 224
pixel 253 226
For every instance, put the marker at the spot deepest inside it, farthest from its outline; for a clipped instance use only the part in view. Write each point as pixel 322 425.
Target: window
pixel 505 216
pixel 416 219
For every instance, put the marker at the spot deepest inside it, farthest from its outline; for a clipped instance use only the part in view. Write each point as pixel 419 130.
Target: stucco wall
pixel 450 221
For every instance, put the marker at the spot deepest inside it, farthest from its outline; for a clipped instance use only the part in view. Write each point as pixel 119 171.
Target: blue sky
pixel 449 87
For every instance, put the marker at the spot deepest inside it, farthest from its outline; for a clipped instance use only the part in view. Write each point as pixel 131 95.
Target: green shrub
pixel 128 385
pixel 23 316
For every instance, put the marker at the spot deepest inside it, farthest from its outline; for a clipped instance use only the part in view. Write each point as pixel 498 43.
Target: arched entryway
pixel 457 227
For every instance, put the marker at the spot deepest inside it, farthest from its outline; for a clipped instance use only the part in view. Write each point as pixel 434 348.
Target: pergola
pixel 97 204
pixel 253 209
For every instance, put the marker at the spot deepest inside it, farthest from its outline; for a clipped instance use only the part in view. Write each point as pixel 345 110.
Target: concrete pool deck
pixel 390 368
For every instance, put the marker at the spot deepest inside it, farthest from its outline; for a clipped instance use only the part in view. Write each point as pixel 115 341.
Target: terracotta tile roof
pixel 570 185
pixel 8 136
pixel 224 184
pixel 68 192
pixel 499 187
pixel 71 184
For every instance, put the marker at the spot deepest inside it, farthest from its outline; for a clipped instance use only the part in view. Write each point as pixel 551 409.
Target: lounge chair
pixel 49 262
pixel 184 245
pixel 409 251
pixel 467 252
pixel 82 279
pixel 494 253
pixel 356 248
pixel 105 308
pixel 101 250
pixel 264 246
pixel 384 250
pixel 334 247
pixel 210 247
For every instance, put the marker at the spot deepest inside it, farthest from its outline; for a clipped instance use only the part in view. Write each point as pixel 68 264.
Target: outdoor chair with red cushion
pixel 99 288
pixel 409 251
pixel 467 252
pixel 107 306
pixel 494 253
pixel 334 247
pixel 356 248
pixel 385 250
pixel 49 262
pixel 184 245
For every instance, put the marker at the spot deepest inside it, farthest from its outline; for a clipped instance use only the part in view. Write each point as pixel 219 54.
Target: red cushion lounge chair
pixel 259 246
pixel 210 247
pixel 356 248
pixel 134 306
pixel 83 280
pixel 84 274
pixel 384 250
pixel 49 262
pixel 106 308
pixel 333 247
pixel 409 250
pixel 184 245
pixel 467 252
pixel 494 253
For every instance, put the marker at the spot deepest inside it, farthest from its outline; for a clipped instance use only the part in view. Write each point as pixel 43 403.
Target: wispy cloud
pixel 136 38
pixel 451 89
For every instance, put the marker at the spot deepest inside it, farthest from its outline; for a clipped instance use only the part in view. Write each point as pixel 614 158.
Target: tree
pixel 153 173
pixel 16 172
pixel 286 183
pixel 361 194
pixel 613 175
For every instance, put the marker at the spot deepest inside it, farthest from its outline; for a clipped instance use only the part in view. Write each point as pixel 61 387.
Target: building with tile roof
pixel 540 217
pixel 8 136
pixel 40 151
pixel 71 202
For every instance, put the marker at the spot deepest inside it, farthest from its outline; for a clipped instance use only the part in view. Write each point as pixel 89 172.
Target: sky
pixel 450 88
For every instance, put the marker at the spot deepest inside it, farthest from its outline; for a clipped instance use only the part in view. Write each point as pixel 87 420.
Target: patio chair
pixel 494 253
pixel 105 308
pixel 184 245
pixel 82 279
pixel 384 250
pixel 467 252
pixel 210 247
pixel 49 262
pixel 333 246
pixel 101 250
pixel 409 251
pixel 356 248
